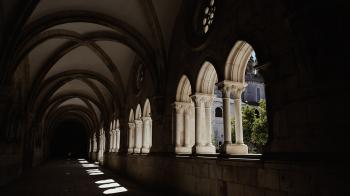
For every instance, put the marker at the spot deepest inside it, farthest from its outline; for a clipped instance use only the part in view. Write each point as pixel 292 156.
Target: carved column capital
pixel 200 98
pixel 138 122
pixel 146 119
pixel 131 125
pixel 181 107
pixel 237 90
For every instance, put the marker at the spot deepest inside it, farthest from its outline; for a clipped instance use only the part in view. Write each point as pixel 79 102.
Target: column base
pixel 205 149
pixel 145 150
pixel 236 149
pixel 130 150
pixel 137 150
pixel 183 150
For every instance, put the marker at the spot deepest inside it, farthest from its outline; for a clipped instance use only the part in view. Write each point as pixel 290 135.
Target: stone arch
pixel 206 79
pixel 237 61
pixel 138 112
pixel 234 84
pixel 184 90
pixel 131 115
pixel 147 109
pixel 203 98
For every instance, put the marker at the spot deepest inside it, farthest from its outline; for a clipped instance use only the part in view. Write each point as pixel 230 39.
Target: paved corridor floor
pixel 71 177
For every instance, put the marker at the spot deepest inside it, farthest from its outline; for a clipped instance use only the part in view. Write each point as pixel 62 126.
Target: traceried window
pixel 208 17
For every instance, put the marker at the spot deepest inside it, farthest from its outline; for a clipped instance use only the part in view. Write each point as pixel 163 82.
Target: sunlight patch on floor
pixel 109 186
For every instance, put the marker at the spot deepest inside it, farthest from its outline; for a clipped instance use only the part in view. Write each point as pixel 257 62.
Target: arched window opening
pixel 203 99
pixel 249 129
pixel 218 112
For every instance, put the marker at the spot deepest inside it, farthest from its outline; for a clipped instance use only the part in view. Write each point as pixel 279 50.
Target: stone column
pixel 179 124
pixel 146 134
pixel 117 140
pixel 138 139
pixel 238 114
pixel 182 128
pixel 131 137
pixel 187 136
pixel 94 147
pixel 239 147
pixel 201 126
pixel 90 144
pixel 208 104
pixel 111 142
pixel 102 146
pixel 226 96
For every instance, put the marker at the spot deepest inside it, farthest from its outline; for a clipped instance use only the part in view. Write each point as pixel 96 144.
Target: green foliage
pixel 255 128
pixel 259 129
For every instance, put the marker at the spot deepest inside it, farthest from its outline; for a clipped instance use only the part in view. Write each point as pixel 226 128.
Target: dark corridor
pixel 69 140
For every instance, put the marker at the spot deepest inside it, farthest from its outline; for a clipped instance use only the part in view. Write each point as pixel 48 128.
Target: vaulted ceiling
pixel 80 54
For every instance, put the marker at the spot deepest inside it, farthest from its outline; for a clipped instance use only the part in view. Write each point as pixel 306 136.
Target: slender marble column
pixel 131 137
pixel 208 104
pixel 146 135
pixel 117 140
pixel 202 146
pixel 198 100
pixel 138 139
pixel 237 91
pixel 179 109
pixel 187 126
pixel 111 141
pixel 226 92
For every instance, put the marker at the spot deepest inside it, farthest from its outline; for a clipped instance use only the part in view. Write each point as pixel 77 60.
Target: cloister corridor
pixel 174 97
pixel 73 177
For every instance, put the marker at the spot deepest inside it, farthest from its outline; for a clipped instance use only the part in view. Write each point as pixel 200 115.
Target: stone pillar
pixel 94 147
pixel 209 128
pixel 226 96
pixel 146 134
pixel 182 128
pixel 131 137
pixel 239 147
pixel 111 142
pixel 138 139
pixel 187 135
pixel 102 146
pixel 117 140
pixel 179 124
pixel 201 126
pixel 90 145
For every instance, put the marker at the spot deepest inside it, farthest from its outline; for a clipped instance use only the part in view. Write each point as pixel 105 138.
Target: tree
pixel 255 130
pixel 259 133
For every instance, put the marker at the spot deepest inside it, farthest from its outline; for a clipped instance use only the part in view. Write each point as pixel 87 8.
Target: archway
pixel 69 140
pixel 234 85
pixel 206 81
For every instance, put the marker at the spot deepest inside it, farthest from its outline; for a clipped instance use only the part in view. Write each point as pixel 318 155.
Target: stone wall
pixel 206 176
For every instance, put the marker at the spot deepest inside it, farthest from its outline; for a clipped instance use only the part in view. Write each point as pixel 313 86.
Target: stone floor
pixel 72 177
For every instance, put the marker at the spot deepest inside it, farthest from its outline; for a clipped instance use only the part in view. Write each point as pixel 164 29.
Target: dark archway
pixel 69 140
